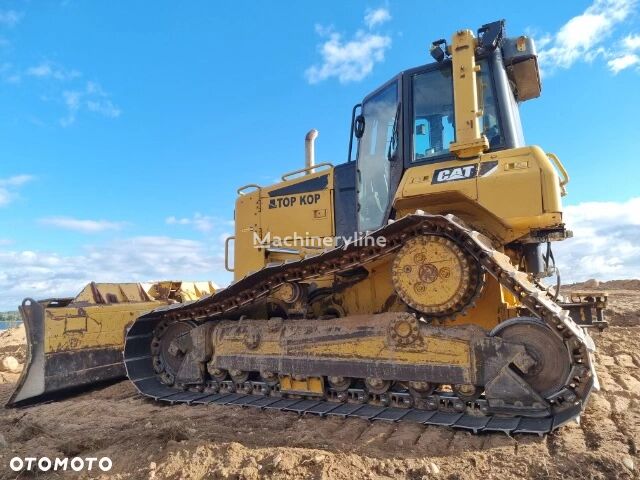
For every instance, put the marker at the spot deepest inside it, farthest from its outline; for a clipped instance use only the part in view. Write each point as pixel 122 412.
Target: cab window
pixel 433 112
pixel 374 149
pixel 433 127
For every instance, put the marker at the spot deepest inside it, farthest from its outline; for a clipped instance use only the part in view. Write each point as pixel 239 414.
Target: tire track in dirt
pixel 145 438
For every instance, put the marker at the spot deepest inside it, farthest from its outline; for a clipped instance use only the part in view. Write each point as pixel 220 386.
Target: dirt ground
pixel 149 440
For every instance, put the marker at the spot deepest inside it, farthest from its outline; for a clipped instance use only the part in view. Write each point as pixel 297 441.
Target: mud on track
pixel 149 440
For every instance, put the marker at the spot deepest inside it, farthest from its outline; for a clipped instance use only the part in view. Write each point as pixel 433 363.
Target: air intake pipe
pixel 310 150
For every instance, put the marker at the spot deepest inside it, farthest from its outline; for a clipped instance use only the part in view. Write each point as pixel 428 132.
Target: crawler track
pixel 476 423
pixel 443 408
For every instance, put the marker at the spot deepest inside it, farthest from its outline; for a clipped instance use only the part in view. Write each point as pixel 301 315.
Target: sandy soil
pixel 149 440
pixel 12 344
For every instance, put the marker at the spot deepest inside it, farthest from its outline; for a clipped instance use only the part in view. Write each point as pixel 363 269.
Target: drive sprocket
pixel 433 275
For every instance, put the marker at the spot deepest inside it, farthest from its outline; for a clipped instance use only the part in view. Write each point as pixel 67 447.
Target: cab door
pixel 377 151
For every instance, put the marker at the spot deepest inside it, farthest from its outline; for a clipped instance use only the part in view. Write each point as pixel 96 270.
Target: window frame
pixel 400 149
pixel 409 76
pixel 407 100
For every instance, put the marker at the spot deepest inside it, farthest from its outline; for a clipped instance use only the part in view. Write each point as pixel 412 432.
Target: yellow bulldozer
pixel 77 342
pixel 405 284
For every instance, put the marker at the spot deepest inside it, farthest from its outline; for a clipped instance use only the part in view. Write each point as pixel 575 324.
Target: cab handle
pixel 241 190
pixel 563 172
pixel 286 176
pixel 226 253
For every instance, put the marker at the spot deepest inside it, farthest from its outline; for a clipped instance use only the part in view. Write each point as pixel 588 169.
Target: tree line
pixel 9 316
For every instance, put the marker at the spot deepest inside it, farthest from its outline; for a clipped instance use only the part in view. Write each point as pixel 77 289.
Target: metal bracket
pixel 241 190
pixel 563 172
pixel 306 169
pixel 226 253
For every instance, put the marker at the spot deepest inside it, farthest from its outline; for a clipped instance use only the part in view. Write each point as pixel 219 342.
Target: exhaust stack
pixel 310 150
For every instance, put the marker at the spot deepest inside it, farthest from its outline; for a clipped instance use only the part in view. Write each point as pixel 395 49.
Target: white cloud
pixel 350 60
pixel 42 70
pixel 606 243
pixel 376 17
pixel 72 102
pixel 625 61
pixel 10 18
pixel 76 96
pixel 93 98
pixel 9 187
pixel 632 42
pixel 16 180
pixel 202 223
pixel 626 58
pixel 51 70
pixel 584 36
pixel 39 274
pixel 83 226
pixel 103 107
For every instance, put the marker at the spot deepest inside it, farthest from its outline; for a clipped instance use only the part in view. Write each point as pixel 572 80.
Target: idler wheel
pixel 552 360
pixel 169 354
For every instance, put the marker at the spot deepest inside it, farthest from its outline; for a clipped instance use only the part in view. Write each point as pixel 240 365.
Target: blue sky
pixel 126 127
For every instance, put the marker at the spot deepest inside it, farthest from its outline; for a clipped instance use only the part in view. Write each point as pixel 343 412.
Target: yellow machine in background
pixel 74 342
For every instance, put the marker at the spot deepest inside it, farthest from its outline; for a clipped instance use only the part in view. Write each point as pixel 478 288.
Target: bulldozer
pixel 406 284
pixel 77 342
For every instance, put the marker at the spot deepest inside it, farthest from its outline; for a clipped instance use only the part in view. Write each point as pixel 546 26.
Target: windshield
pixel 433 111
pixel 374 149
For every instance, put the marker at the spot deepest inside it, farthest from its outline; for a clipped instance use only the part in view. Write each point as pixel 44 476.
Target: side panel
pixel 504 194
pixel 247 218
pixel 361 346
pixel 303 206
pixel 95 326
pixel 268 217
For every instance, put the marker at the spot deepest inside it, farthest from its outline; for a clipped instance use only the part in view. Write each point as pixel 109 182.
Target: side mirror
pixel 359 126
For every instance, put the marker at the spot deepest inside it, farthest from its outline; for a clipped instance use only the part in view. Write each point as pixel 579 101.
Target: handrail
pixel 249 185
pixel 306 169
pixel 563 172
pixel 226 253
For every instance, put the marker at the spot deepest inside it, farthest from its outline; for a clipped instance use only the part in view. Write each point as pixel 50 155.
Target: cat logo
pixel 453 174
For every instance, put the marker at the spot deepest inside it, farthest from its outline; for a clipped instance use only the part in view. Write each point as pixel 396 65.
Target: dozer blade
pixel 77 342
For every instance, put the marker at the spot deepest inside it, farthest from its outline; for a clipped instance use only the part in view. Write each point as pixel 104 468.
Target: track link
pixel 565 404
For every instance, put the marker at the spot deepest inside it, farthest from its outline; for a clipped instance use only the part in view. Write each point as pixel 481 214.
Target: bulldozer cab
pixel 411 119
pixel 412 139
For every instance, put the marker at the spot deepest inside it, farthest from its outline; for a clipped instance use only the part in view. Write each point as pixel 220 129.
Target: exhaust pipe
pixel 310 150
